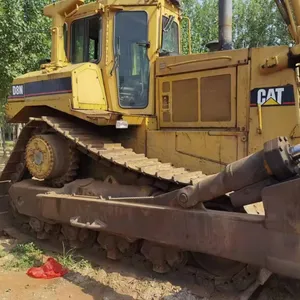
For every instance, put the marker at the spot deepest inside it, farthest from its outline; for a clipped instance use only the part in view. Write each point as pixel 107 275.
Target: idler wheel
pixel 51 158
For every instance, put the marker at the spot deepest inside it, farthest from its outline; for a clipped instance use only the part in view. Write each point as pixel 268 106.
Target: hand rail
pixel 199 60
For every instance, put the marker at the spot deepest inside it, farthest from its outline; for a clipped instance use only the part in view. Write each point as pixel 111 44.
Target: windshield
pixel 132 63
pixel 170 38
pixel 86 40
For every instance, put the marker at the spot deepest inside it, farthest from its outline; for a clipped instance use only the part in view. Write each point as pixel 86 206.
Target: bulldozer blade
pixel 270 241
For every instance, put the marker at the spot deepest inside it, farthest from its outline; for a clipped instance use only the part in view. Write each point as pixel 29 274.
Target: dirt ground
pixel 102 279
pixel 107 280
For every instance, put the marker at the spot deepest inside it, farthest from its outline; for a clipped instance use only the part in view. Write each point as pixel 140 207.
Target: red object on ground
pixel 51 269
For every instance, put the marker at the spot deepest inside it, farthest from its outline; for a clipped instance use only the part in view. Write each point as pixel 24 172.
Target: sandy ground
pixel 128 279
pixel 16 286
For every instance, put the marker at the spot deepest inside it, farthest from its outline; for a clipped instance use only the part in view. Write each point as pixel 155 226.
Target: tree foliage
pixel 24 39
pixel 256 23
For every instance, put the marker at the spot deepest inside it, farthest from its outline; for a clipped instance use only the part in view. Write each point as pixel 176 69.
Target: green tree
pixel 256 23
pixel 24 40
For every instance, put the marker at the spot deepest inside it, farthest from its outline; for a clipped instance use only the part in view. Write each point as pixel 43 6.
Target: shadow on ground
pixel 94 288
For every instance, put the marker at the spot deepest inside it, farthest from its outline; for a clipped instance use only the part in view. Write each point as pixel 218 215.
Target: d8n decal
pixel 17 90
pixel 273 96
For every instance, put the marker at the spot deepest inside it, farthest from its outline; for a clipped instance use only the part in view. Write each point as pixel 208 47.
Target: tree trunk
pixel 3 143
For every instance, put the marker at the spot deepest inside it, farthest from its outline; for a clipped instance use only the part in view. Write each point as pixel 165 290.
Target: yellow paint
pixel 198 75
pixel 278 120
pixel 39 157
pixel 89 92
pixel 271 101
pixel 260 124
pixel 94 87
pixel 194 150
pixel 58 11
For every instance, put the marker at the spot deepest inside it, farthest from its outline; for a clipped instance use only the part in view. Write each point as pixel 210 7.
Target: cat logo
pixel 273 96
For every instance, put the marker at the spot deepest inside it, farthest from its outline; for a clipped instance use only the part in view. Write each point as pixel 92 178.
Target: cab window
pixel 170 37
pixel 86 40
pixel 131 55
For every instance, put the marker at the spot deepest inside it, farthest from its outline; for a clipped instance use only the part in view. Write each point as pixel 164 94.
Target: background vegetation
pixel 256 23
pixel 25 32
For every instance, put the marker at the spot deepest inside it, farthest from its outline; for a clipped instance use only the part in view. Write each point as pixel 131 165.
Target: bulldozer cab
pixel 102 59
pixel 122 40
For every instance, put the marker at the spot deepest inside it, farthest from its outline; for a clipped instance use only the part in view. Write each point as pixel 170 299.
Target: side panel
pixel 198 99
pixel 203 114
pixel 208 151
pixel 88 88
pixel 274 96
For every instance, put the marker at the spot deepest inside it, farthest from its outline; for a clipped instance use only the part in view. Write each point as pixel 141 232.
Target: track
pixel 125 165
pixel 101 149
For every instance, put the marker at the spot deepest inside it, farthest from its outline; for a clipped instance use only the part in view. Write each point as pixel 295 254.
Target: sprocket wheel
pixel 51 158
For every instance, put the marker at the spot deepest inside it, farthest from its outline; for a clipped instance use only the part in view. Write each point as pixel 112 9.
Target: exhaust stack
pixel 225 24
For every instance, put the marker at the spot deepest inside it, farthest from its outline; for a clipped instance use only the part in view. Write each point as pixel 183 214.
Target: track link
pixel 99 148
pixel 158 174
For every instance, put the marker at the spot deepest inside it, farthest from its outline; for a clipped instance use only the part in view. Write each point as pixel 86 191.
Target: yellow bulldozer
pixel 134 146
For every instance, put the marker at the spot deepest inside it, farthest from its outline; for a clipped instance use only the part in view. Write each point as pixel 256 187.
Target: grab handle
pixel 260 125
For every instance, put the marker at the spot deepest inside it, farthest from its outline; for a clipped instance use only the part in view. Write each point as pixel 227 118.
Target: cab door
pixel 131 46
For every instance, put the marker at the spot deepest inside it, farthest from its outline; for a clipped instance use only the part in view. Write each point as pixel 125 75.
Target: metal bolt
pixel 20 201
pixel 183 198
